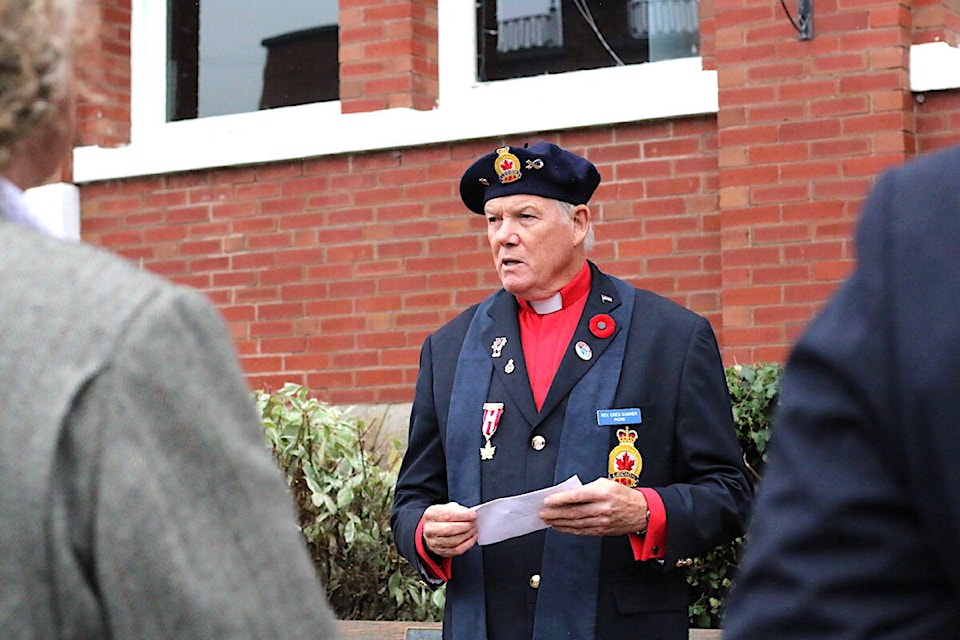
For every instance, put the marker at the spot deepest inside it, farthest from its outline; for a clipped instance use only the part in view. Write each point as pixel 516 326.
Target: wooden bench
pixel 400 630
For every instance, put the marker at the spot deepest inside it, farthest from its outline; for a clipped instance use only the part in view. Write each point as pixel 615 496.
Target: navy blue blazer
pixel 858 513
pixel 672 371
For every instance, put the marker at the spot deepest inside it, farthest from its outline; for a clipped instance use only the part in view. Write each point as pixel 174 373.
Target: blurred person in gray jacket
pixel 137 497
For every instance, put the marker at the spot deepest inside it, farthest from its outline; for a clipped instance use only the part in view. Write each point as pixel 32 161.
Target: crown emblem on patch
pixel 507 166
pixel 624 462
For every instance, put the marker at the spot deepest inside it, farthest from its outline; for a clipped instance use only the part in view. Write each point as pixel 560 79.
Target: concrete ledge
pixel 386 421
pixel 393 630
pixel 401 630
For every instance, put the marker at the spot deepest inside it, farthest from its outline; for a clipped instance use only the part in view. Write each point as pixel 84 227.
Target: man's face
pixel 537 246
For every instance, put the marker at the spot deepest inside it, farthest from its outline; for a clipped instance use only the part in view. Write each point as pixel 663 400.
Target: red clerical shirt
pixel 546 336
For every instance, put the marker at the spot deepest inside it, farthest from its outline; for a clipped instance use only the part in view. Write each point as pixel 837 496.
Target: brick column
pixel 803 128
pixel 388 54
pixel 103 114
pixel 936 21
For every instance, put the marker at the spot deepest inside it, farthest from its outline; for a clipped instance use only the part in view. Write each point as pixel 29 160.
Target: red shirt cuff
pixel 436 570
pixel 653 544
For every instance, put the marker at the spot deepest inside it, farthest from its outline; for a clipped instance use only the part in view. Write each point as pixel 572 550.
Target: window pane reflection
pixel 520 38
pixel 235 56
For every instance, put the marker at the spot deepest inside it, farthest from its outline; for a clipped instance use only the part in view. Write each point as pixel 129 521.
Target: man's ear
pixel 581 217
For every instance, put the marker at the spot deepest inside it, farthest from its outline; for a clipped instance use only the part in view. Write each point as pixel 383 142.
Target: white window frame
pixel 934 66
pixel 466 108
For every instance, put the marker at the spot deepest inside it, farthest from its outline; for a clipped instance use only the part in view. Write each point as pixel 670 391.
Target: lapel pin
pixel 605 298
pixel 583 350
pixel 497 346
pixel 602 325
pixel 510 366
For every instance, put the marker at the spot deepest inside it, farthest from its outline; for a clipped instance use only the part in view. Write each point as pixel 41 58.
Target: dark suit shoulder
pixel 650 302
pixel 653 307
pixel 939 163
pixel 645 301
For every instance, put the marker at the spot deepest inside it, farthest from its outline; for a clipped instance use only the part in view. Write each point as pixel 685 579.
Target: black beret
pixel 543 169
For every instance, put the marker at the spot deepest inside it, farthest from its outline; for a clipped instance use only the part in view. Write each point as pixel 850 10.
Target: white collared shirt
pixel 13 206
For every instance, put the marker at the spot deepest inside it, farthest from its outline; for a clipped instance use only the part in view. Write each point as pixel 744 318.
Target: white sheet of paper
pixel 506 518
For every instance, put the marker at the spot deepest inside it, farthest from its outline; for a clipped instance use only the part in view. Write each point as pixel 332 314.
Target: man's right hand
pixel 449 529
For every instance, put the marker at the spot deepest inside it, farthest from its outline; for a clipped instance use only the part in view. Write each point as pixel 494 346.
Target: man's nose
pixel 507 235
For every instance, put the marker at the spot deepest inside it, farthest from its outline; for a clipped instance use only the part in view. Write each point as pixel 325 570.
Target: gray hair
pixel 588 240
pixel 35 50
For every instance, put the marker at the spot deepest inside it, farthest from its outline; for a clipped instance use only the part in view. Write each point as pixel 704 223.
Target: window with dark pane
pixel 236 56
pixel 522 38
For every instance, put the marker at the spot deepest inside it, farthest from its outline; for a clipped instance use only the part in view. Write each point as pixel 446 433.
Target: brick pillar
pixel 103 114
pixel 936 21
pixel 388 54
pixel 803 128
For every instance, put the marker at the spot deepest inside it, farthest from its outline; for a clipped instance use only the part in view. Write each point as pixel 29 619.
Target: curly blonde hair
pixel 35 50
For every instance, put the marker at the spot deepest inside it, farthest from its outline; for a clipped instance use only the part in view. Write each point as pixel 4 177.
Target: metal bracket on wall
pixel 805 19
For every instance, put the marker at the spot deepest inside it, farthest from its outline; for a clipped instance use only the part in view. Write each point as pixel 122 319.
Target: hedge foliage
pixel 342 484
pixel 753 395
pixel 343 493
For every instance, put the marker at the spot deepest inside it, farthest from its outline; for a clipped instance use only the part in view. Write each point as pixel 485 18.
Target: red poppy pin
pixel 602 325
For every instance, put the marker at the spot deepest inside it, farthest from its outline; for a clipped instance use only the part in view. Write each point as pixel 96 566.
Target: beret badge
pixel 507 166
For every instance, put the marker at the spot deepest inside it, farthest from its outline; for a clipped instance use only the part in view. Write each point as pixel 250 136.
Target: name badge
pixel 618 417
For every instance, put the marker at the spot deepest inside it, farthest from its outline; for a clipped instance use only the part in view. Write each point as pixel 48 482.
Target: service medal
pixel 492 411
pixel 624 463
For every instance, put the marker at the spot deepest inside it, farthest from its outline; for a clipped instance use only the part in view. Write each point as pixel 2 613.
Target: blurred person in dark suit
pixel 858 513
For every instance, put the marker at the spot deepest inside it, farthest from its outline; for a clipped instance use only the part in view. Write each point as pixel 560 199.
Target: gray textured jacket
pixel 137 498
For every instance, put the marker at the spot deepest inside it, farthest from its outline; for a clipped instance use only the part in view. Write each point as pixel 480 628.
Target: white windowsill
pixel 934 66
pixel 509 107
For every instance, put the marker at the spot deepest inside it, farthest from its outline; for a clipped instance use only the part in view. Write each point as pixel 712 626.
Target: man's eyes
pixel 519 216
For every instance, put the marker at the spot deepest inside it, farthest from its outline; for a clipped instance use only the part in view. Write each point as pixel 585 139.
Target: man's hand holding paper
pixel 514 516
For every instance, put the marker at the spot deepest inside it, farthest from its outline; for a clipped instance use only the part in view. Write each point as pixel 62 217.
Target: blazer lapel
pixel 510 366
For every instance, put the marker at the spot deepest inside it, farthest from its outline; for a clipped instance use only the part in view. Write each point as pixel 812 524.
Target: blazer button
pixel 535 581
pixel 538 443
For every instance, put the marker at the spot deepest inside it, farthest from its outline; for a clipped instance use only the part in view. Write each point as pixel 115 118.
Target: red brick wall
pixel 803 128
pixel 103 118
pixel 938 120
pixel 331 271
pixel 388 54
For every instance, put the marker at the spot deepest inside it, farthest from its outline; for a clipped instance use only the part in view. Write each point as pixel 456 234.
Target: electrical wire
pixel 790 17
pixel 584 10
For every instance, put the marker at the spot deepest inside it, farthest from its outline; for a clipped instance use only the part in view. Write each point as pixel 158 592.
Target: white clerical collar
pixel 550 305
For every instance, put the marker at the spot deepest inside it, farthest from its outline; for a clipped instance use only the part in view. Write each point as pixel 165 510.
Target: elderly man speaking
pixel 566 371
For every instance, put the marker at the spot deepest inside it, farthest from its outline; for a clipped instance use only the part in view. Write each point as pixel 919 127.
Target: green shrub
pixel 753 394
pixel 343 493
